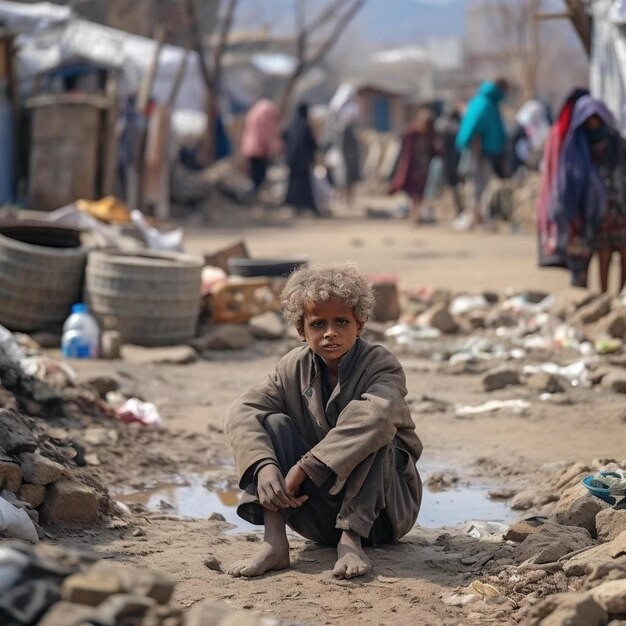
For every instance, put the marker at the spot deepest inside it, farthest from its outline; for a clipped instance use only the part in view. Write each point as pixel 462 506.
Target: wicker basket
pixel 39 283
pixel 151 298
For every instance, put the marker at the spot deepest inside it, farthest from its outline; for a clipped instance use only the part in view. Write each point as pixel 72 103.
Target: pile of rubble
pixel 46 585
pixel 40 475
pixel 566 564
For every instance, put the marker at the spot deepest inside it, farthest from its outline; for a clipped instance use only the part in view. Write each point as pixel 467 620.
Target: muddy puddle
pixel 188 496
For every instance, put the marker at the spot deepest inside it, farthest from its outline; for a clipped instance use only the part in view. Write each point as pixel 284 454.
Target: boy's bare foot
pixel 269 557
pixel 351 559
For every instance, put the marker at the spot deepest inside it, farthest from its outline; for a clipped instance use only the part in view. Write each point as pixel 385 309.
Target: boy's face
pixel 330 328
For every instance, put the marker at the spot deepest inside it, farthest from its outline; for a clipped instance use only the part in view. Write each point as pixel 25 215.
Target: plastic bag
pixel 146 413
pixel 12 564
pixel 15 523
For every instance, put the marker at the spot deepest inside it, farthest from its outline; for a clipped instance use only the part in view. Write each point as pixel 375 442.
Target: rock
pixel 119 608
pixel 70 502
pixel 499 318
pixel 438 316
pixel 602 556
pixel 573 475
pixel 33 494
pixel 524 500
pixel 217 517
pixel 502 493
pixel 387 300
pixel 47 340
pixel 611 596
pixel 224 337
pixel 96 436
pixel 91 588
pixel 613 325
pixel 39 470
pixel 172 355
pixel 610 523
pixel 567 609
pixel 440 481
pixel 546 383
pixel 577 507
pixel 103 385
pixel 142 582
pixel 270 325
pixel 499 379
pixel 477 320
pixel 520 530
pixel 16 433
pixel 568 301
pixel 213 563
pixel 7 400
pixel 10 475
pixel 64 613
pixel 614 381
pixel 551 542
pixel 612 568
pixel 209 613
pixel 593 311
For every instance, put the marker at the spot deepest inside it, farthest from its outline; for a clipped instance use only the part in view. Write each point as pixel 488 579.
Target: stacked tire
pixel 150 298
pixel 40 281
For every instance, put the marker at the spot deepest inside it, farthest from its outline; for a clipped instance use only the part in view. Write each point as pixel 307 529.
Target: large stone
pixel 613 325
pixel 209 613
pixel 613 568
pixel 142 582
pixel 611 596
pixel 573 475
pixel 551 542
pixel 593 311
pixel 16 433
pixel 10 475
pixel 546 383
pixel 567 609
pixel 577 507
pixel 568 301
pixel 520 530
pixel 39 470
pixel 172 355
pixel 66 614
pixel 91 588
pixel 33 494
pixel 70 502
pixel 610 523
pixel 438 316
pixel 224 337
pixel 524 500
pixel 602 556
pixel 269 325
pixel 121 608
pixel 7 400
pixel 614 381
pixel 500 378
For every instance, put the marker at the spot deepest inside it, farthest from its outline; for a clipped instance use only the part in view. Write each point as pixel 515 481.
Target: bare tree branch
pixel 196 41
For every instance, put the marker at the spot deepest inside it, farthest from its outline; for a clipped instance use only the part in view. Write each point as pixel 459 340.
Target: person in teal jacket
pixel 482 140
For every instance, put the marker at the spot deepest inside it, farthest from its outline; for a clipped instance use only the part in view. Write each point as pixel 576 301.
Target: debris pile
pixel 46 585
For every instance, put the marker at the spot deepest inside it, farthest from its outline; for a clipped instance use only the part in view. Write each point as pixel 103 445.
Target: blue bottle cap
pixel 80 307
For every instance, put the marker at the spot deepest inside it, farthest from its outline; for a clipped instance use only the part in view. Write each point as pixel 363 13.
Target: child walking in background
pixel 326 444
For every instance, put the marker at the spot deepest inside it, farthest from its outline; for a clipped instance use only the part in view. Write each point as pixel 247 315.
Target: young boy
pixel 326 444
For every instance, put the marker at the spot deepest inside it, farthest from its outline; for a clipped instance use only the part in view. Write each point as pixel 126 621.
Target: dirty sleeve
pixel 244 424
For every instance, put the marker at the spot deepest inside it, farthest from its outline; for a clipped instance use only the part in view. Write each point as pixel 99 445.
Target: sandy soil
pixel 410 578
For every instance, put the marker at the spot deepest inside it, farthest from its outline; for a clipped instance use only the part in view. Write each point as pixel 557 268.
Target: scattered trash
pixel 520 407
pixel 16 523
pixel 491 531
pixel 466 304
pixel 12 564
pixel 146 413
pixel 156 240
pixel 577 373
pixel 484 589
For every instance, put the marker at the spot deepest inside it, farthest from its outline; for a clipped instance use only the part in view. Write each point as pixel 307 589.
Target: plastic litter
pixel 12 564
pixel 520 407
pixel 405 333
pixel 486 530
pixel 135 410
pixel 81 334
pixel 156 240
pixel 15 523
pixel 467 304
pixel 577 373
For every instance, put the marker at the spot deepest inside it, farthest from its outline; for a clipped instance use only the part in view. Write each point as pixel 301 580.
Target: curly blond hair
pixel 319 283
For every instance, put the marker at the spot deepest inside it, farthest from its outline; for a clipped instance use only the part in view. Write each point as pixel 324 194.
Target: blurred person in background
pixel 532 126
pixel 261 140
pixel 482 141
pixel 447 126
pixel 419 146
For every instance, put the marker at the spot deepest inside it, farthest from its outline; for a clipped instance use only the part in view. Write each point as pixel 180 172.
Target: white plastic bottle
pixel 81 335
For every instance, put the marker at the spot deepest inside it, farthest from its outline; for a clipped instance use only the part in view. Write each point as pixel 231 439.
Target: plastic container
pixel 81 335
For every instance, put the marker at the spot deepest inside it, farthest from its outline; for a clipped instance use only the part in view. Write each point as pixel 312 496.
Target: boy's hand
pixel 273 492
pixel 295 477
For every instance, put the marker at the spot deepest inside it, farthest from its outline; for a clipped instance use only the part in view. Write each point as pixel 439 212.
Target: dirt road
pixel 411 578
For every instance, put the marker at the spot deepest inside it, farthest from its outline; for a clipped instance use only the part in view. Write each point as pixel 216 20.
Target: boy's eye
pixel 342 321
pixel 317 324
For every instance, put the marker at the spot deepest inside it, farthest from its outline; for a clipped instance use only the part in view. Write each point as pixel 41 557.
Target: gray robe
pixel 365 418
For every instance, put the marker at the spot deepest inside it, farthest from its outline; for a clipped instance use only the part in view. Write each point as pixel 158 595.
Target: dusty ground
pixel 411 578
